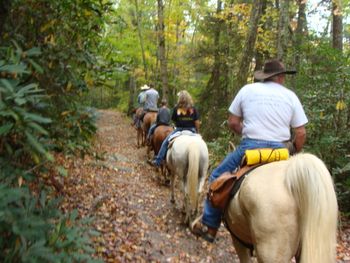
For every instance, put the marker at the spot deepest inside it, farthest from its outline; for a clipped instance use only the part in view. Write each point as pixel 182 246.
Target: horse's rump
pixel 160 133
pixel 139 112
pixel 148 119
pixel 256 198
pixel 188 159
pixel 285 206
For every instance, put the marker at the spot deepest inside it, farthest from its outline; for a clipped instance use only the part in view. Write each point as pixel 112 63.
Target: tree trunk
pixel 337 25
pixel 176 69
pixel 161 50
pixel 232 50
pixel 138 21
pixel 300 31
pixel 4 11
pixel 132 91
pixel 248 50
pixel 260 57
pixel 215 96
pixel 283 33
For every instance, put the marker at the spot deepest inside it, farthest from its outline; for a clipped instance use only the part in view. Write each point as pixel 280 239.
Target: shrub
pixel 32 228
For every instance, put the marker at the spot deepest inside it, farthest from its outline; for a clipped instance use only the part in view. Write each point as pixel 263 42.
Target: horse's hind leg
pixel 242 251
pixel 273 249
pixel 172 176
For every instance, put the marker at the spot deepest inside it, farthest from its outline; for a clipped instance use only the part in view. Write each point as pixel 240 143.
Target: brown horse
pixel 149 118
pixel 160 133
pixel 138 127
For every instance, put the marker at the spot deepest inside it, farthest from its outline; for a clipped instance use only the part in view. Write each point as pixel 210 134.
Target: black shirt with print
pixel 185 118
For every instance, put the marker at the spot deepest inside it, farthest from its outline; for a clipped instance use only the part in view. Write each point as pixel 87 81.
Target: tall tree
pixel 232 47
pixel 161 50
pixel 215 94
pixel 138 23
pixel 301 29
pixel 283 27
pixel 132 93
pixel 337 29
pixel 248 50
pixel 260 54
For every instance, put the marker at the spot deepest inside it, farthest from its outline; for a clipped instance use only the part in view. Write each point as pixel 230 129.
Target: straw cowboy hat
pixel 272 68
pixel 145 87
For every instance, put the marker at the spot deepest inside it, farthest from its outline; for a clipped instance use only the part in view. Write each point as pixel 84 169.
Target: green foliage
pixel 33 230
pixel 324 89
pixel 223 145
pixel 342 178
pixel 22 127
pixel 75 129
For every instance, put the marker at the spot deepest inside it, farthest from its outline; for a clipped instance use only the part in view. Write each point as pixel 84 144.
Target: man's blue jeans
pixel 164 148
pixel 212 216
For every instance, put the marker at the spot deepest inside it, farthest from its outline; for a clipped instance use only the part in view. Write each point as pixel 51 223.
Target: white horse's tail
pixel 192 174
pixel 312 187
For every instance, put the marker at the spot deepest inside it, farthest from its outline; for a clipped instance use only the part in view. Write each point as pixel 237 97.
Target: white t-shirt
pixel 151 99
pixel 268 110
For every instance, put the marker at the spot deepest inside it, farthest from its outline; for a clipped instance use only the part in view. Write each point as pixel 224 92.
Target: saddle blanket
pixel 185 132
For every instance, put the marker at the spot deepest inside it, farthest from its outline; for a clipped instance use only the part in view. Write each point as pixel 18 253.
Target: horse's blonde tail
pixel 192 174
pixel 312 187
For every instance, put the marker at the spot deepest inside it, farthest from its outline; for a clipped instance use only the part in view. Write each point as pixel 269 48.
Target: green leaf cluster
pixel 75 129
pixel 324 88
pixel 22 127
pixel 32 229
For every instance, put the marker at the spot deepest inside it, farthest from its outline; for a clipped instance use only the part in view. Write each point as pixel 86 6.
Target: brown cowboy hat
pixel 272 68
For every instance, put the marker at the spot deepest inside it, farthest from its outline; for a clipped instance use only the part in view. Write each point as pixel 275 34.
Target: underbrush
pixel 32 228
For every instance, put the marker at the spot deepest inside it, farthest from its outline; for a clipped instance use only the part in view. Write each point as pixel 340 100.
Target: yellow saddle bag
pixel 265 155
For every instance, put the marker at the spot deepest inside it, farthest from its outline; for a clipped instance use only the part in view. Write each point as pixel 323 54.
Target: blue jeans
pixel 164 148
pixel 151 130
pixel 212 216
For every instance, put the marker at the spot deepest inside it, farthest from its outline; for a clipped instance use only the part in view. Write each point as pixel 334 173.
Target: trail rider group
pixel 263 113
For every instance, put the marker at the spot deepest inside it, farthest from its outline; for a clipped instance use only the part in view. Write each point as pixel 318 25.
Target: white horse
pixel 188 159
pixel 286 209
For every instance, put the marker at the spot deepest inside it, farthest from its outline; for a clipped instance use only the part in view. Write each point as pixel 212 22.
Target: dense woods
pixel 59 60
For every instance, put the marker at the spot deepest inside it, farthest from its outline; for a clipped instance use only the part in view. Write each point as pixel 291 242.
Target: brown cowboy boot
pixel 202 230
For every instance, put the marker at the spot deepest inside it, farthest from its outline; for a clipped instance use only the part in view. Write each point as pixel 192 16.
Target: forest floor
pixel 132 209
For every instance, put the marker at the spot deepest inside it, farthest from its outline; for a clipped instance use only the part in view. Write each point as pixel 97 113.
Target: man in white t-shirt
pixel 263 113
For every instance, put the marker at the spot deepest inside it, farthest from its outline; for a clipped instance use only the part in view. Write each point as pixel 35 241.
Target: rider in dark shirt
pixel 163 118
pixel 186 117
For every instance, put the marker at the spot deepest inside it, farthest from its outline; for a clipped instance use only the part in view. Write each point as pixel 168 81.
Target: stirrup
pixel 201 230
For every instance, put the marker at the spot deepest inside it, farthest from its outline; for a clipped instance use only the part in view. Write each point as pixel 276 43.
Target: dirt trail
pixel 131 208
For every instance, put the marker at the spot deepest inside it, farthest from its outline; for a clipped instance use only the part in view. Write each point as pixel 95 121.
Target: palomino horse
pixel 285 209
pixel 149 118
pixel 160 133
pixel 188 159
